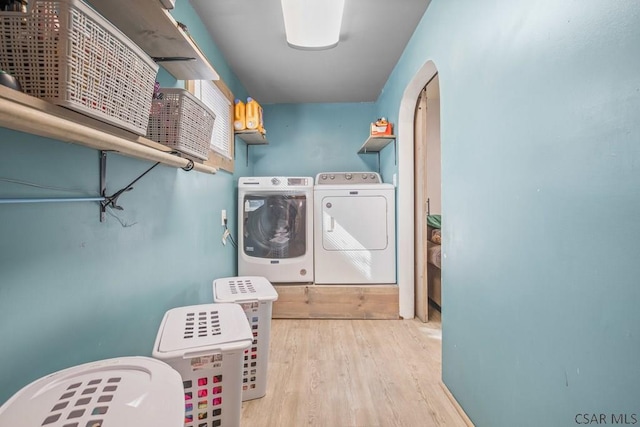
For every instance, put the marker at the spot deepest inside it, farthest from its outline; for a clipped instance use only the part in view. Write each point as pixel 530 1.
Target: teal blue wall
pixel 72 289
pixel 305 139
pixel 540 102
pixel 540 175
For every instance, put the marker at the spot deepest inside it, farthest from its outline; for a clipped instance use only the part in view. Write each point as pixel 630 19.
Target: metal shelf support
pixel 104 200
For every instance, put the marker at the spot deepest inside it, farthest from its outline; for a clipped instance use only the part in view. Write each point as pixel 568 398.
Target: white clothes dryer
pixel 275 228
pixel 355 239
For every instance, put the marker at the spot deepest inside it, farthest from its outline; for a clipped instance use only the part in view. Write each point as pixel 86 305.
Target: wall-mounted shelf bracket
pixel 112 201
pixel 251 137
pixel 172 58
pixel 375 144
pixel 105 200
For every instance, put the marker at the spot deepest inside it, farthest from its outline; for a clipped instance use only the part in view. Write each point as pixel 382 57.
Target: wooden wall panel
pixel 336 302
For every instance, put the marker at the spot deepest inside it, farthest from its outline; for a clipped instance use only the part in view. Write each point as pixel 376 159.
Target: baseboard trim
pixel 456 405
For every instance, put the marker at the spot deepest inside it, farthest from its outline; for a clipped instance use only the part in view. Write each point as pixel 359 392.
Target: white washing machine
pixel 275 228
pixel 355 239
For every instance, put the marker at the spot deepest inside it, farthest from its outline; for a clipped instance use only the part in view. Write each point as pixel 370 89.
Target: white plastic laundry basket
pixel 127 391
pixel 205 344
pixel 255 295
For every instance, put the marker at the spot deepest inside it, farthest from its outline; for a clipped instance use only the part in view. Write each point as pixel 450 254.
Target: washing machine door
pixel 274 225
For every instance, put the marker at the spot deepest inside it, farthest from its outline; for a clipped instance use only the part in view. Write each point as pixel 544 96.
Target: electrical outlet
pixel 223 217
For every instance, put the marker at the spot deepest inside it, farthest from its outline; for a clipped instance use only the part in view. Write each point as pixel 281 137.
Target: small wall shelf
pixel 375 144
pixel 35 116
pixel 251 137
pixel 152 27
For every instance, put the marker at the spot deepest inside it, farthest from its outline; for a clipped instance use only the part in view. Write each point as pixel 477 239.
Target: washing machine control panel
pixel 290 182
pixel 297 181
pixel 348 178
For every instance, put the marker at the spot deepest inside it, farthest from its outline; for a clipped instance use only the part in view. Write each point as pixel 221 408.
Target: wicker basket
pixel 66 53
pixel 181 121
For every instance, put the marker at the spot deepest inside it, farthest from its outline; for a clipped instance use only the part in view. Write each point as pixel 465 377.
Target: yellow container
pixel 253 114
pixel 261 125
pixel 239 116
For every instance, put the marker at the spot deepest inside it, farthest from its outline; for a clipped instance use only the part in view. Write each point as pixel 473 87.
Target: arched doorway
pixel 427 201
pixel 406 188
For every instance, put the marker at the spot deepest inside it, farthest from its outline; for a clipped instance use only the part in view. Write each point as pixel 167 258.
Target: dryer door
pixel 274 225
pixel 354 223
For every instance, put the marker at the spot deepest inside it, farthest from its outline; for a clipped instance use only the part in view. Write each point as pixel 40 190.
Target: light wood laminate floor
pixel 344 373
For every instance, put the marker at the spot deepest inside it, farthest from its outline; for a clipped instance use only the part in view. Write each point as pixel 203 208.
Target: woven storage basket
pixel 181 121
pixel 66 53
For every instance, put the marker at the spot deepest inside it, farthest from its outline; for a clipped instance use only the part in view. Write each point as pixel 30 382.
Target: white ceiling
pixel 250 35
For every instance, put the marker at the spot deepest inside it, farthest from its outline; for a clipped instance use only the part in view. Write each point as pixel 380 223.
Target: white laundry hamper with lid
pixel 126 391
pixel 205 344
pixel 255 295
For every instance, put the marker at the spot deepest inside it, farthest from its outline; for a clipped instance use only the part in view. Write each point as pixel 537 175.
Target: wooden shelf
pixel 252 137
pixel 155 31
pixel 25 113
pixel 375 144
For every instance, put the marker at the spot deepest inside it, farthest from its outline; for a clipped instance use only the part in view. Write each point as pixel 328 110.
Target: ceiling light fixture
pixel 312 24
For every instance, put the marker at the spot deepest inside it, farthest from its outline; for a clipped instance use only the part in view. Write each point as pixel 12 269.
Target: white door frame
pixel 420 157
pixel 406 236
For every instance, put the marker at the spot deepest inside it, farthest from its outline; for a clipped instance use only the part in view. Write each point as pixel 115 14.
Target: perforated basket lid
pixel 202 329
pixel 127 391
pixel 243 288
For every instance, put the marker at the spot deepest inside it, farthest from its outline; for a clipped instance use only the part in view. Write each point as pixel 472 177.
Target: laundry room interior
pixel 496 295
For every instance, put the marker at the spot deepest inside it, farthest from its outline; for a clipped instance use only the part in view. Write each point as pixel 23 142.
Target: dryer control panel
pixel 348 178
